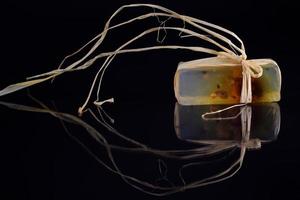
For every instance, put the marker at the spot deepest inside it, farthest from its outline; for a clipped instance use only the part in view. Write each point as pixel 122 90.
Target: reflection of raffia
pixel 237 55
pixel 187 155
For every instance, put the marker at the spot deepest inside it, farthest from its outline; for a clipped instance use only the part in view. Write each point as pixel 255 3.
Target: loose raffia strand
pixel 249 69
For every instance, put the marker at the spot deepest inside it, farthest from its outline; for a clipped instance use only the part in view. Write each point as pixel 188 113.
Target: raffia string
pixel 180 154
pixel 213 34
pixel 250 69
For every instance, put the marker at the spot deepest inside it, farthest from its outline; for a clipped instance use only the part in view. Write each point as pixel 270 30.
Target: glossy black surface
pixel 41 161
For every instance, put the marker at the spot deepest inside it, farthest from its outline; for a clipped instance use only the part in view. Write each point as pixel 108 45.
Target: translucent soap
pixel 189 125
pixel 199 83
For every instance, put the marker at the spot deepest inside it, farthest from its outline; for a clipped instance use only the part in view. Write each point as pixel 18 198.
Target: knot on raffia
pixel 250 70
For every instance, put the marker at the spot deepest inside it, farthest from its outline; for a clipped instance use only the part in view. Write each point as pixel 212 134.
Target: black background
pixel 41 162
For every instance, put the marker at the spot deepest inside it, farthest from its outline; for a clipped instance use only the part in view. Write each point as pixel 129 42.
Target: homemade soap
pixel 219 81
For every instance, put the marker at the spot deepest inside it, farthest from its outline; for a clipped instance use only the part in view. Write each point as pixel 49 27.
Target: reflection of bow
pixel 246 115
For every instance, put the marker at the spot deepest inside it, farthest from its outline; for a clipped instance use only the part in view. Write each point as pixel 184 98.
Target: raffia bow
pixel 250 69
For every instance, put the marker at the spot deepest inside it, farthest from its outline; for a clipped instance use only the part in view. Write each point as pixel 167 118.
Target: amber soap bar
pixel 217 81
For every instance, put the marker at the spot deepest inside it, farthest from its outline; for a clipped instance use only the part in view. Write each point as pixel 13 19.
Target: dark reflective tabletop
pixel 145 144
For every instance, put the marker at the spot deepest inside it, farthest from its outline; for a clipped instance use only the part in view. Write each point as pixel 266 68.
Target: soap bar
pixel 189 125
pixel 217 81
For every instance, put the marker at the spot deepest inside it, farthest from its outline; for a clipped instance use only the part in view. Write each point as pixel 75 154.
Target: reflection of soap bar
pixel 189 125
pixel 199 83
